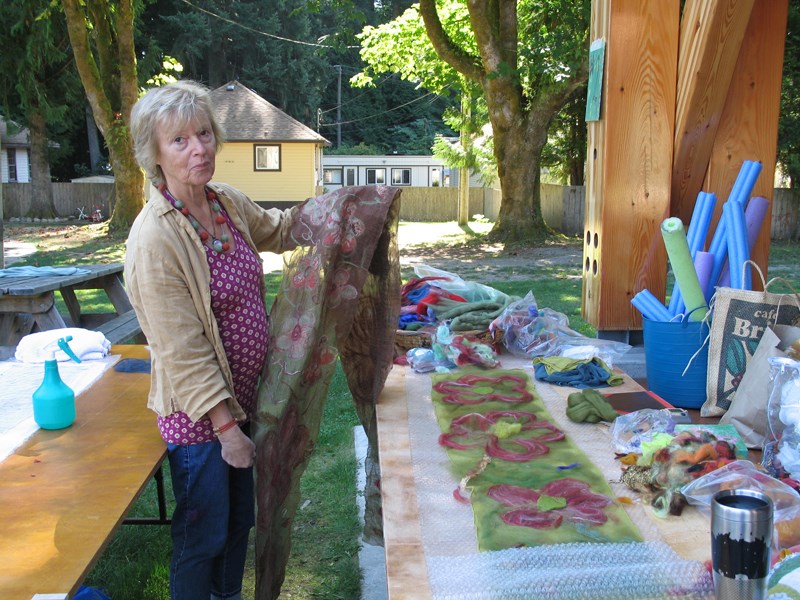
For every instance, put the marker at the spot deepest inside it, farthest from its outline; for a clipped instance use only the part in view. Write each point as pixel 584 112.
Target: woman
pixel 195 280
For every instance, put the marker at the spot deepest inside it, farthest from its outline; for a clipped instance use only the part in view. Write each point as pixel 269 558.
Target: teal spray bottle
pixel 54 401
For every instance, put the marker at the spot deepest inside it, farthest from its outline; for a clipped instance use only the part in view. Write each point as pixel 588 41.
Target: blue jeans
pixel 214 512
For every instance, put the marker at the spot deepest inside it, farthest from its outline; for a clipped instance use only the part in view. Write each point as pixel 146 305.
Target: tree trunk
pixel 128 182
pixel 518 150
pixel 41 186
pixel 94 143
pixel 111 107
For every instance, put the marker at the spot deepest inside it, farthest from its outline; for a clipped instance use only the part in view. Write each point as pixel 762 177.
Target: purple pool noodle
pixel 703 264
pixel 650 306
pixel 754 215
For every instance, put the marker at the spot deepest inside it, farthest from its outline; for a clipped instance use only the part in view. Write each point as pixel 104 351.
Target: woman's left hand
pixel 238 450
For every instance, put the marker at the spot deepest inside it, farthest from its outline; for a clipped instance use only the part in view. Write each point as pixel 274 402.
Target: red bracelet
pixel 229 425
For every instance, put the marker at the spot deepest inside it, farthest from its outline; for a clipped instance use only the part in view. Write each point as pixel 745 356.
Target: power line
pixel 381 81
pixel 383 112
pixel 264 33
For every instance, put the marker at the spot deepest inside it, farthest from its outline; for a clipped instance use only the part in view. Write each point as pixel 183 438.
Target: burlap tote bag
pixel 738 320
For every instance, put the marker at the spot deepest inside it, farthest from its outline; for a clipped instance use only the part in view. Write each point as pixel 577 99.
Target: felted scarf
pixel 339 295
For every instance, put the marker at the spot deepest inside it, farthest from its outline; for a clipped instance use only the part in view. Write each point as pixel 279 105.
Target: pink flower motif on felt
pixel 477 389
pixel 475 430
pixel 583 505
pixel 322 355
pixel 318 209
pixel 340 288
pixel 295 336
pixel 345 230
pixel 307 273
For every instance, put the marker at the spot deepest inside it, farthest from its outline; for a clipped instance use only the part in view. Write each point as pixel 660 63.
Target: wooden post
pixel 629 159
pixel 673 125
pixel 748 128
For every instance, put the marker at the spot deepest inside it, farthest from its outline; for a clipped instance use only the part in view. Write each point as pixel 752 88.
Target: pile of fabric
pixel 435 296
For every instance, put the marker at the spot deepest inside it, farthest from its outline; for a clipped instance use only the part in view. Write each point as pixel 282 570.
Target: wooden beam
pixel 748 128
pixel 625 252
pixel 711 37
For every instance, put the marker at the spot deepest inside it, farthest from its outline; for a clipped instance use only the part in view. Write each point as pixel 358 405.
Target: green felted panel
pixel 509 398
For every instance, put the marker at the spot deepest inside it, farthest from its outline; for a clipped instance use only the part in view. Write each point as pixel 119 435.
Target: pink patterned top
pixel 238 306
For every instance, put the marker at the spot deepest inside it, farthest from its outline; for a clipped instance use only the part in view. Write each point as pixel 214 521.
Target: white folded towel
pixel 85 343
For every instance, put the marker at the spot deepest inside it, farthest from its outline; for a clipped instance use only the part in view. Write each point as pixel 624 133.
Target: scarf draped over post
pixel 339 296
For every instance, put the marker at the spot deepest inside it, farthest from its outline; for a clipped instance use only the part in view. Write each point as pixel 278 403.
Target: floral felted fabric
pixel 528 484
pixel 340 295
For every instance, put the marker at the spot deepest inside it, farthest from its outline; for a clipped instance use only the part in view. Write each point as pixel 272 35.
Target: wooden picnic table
pixel 27 303
pixel 64 493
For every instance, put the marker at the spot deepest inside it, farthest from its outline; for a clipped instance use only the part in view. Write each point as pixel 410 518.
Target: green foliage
pixel 789 121
pixel 360 149
pixel 564 155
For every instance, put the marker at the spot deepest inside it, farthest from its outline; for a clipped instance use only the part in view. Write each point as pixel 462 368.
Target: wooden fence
pixel 68 198
pixel 562 206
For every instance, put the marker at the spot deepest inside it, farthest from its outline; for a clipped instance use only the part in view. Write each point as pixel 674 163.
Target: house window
pixel 332 176
pixel 436 176
pixel 267 157
pixel 351 176
pixel 401 176
pixel 376 176
pixel 12 164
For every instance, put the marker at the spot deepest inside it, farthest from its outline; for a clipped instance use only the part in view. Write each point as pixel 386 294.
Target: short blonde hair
pixel 173 105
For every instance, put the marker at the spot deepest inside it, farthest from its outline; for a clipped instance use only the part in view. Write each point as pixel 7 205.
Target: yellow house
pixel 268 155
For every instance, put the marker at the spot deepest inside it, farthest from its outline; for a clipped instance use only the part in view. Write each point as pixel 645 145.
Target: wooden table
pixel 64 493
pixel 27 304
pixel 406 566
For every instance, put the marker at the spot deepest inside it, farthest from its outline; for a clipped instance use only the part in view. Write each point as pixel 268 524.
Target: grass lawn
pixel 324 562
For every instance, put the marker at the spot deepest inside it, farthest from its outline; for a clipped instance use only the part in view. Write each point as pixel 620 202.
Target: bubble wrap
pixel 457 570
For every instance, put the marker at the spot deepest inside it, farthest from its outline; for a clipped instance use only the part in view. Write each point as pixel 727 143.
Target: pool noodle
pixel 740 192
pixel 650 307
pixel 703 263
pixel 682 266
pixel 676 304
pixel 738 251
pixel 749 182
pixel 753 215
pixel 741 177
pixel 698 229
pixel 696 238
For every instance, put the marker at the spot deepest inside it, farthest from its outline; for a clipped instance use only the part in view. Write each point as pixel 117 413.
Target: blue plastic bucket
pixel 668 348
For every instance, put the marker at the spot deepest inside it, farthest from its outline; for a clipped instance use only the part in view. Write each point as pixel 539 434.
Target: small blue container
pixel 669 346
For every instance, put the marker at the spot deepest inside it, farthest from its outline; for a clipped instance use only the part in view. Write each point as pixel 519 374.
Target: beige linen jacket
pixel 168 281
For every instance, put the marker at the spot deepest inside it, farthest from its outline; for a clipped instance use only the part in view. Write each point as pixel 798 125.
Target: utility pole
pixel 339 108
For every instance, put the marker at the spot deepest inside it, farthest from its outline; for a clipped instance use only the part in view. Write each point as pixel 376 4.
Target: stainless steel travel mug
pixel 741 536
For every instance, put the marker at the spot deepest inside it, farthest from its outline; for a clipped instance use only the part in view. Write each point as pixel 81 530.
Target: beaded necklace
pixel 219 243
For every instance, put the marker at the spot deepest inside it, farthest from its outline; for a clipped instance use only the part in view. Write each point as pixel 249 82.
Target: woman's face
pixel 186 154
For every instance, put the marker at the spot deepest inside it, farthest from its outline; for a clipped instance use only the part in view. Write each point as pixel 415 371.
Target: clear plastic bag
pixel 635 428
pixel 743 474
pixel 462 349
pixel 781 452
pixel 532 332
pixel 470 291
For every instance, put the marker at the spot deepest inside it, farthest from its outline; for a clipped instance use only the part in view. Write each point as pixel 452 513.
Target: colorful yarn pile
pixel 680 459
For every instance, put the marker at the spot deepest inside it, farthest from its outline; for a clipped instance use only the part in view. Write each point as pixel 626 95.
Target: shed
pixel 15 145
